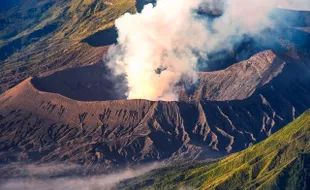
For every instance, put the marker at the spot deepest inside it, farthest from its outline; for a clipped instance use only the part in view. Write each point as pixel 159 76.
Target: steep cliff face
pixel 270 90
pixel 279 162
pixel 238 81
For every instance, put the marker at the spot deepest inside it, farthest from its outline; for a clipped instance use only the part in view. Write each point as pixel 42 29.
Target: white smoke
pixel 38 177
pixel 162 44
pixel 159 38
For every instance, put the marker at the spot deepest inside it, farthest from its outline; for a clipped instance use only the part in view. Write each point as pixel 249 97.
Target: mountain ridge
pixel 42 126
pixel 61 104
pixel 279 162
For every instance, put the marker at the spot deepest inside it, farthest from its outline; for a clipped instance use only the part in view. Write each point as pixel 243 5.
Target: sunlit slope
pixel 279 162
pixel 41 36
pixel 74 18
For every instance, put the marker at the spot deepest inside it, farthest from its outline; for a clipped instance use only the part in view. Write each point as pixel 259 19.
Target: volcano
pixel 51 125
pixel 61 103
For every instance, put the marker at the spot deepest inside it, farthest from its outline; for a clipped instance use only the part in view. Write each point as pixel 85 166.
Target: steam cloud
pixel 162 44
pixel 37 177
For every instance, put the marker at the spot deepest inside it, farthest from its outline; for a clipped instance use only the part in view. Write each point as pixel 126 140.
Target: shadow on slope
pixel 102 38
pixel 89 83
pixel 140 4
pixel 19 43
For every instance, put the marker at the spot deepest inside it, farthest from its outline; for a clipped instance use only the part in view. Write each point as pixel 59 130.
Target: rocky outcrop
pixel 270 90
pixel 238 81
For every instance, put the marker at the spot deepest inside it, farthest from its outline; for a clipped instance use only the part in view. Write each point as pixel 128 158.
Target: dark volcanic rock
pixel 62 116
pixel 269 91
pixel 88 83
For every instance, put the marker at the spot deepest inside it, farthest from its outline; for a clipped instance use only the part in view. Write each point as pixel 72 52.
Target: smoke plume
pixel 63 177
pixel 160 46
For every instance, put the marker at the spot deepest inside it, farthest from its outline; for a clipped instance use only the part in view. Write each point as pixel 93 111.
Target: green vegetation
pixel 40 36
pixel 279 162
pixel 73 20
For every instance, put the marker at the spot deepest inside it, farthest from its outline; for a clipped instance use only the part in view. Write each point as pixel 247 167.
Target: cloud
pixel 63 177
pixel 162 44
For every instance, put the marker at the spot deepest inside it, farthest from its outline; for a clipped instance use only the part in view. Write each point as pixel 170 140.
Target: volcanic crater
pixel 80 115
pixel 88 83
pixel 254 98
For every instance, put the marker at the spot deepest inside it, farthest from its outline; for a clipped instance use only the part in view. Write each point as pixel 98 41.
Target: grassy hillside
pixel 280 162
pixel 74 20
pixel 38 36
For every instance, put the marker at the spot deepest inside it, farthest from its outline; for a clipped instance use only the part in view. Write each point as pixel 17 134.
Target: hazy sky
pixel 295 4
